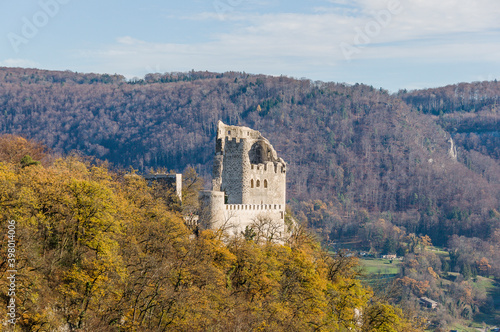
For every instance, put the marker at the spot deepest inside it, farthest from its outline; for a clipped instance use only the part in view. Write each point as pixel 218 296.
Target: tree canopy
pixel 96 250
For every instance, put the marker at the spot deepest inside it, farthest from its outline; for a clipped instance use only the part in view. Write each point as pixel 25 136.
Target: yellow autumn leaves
pixel 98 251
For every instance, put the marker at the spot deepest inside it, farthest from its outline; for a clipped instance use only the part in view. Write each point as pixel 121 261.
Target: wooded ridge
pixel 353 147
pixel 369 170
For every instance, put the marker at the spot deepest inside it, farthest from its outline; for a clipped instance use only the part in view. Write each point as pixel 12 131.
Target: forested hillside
pixel 97 250
pixel 357 149
pixel 469 111
pixel 367 170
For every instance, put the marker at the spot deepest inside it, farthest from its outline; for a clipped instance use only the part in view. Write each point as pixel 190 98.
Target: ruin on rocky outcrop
pixel 248 184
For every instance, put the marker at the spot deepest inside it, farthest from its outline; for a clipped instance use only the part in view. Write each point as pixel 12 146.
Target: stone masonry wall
pixel 249 180
pixel 232 171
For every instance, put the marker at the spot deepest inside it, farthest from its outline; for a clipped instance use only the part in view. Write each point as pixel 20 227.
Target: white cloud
pixel 127 40
pixel 24 63
pixel 285 43
pixel 229 15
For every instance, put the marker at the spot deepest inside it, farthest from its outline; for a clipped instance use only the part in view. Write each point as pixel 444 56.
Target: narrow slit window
pixel 265 183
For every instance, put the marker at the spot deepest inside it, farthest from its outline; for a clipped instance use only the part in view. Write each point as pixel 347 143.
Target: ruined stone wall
pixel 232 174
pixel 266 183
pixel 217 172
pixel 249 180
pixel 234 218
pixel 212 209
pixel 238 216
pixel 169 181
pixel 247 168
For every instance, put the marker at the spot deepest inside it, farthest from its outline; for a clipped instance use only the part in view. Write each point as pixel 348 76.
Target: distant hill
pixel 365 153
pixel 463 97
pixel 469 111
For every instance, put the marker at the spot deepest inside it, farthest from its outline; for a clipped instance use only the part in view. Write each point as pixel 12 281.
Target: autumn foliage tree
pixel 357 149
pixel 96 251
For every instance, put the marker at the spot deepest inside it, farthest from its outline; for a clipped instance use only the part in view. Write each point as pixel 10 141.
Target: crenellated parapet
pixel 268 168
pixel 254 207
pixel 248 176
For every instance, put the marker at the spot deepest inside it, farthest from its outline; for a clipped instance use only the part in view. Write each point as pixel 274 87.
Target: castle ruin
pixel 248 183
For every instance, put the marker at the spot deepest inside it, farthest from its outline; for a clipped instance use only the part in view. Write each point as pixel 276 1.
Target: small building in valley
pixel 428 303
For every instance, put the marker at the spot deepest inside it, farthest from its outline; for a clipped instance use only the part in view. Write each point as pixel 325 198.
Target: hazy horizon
pixel 393 44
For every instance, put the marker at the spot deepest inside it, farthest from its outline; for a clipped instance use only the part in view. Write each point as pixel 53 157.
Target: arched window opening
pixel 251 183
pixel 265 183
pixel 258 184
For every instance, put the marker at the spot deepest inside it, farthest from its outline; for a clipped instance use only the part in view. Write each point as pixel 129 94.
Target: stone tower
pixel 248 181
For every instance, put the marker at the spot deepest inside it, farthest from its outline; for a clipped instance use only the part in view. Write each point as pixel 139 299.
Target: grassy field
pixel 439 251
pixel 380 266
pixel 493 289
pixel 379 272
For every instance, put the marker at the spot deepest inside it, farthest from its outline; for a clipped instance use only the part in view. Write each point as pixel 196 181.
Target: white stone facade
pixel 249 182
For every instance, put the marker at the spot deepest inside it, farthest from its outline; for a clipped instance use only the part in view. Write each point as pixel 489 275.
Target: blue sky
pixel 385 43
